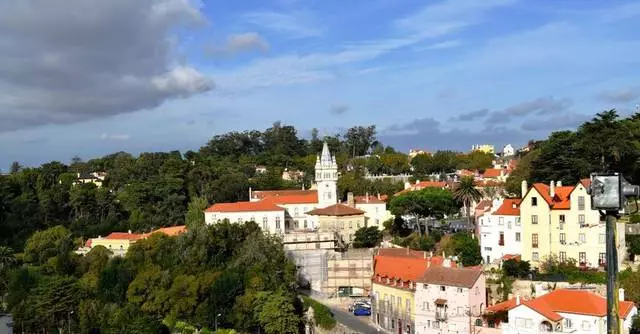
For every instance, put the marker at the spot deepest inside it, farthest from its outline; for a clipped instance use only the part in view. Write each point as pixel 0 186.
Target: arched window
pixel 478 322
pixel 264 223
pixel 278 222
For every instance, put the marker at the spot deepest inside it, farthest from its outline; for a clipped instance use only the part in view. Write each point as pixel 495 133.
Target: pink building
pixel 449 300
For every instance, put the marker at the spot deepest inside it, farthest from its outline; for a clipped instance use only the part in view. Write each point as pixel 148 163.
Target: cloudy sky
pixel 91 77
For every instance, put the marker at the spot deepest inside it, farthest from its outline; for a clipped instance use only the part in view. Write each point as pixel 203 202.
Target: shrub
pixel 323 316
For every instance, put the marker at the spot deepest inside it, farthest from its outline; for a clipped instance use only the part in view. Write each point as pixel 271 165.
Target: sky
pixel 93 77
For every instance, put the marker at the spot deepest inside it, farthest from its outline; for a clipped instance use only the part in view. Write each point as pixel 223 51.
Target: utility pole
pixel 608 193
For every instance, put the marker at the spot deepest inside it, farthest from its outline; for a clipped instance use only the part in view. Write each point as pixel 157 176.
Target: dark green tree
pixel 367 237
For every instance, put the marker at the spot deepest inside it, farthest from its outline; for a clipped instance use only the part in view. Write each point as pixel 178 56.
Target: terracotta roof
pixel 492 173
pixel 561 199
pixel 509 207
pixel 87 243
pixel 586 182
pixel 244 207
pixel 440 301
pixel 404 268
pixel 336 210
pixel 124 236
pixel 466 172
pixel 483 204
pixel 504 306
pixel 430 184
pixel 575 302
pixel 311 198
pixel 461 277
pixel 262 194
pixel 511 257
pixel 543 190
pixel 172 231
pixel 372 199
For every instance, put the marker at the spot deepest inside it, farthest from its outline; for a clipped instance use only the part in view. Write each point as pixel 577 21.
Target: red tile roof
pixel 504 306
pixel 311 198
pixel 244 207
pixel 509 207
pixel 511 257
pixel 88 243
pixel 561 199
pixel 575 302
pixel 338 210
pixel 402 252
pixel 372 199
pixel 404 264
pixel 586 182
pixel 124 236
pixel 450 276
pixel 492 173
pixel 262 194
pixel 172 231
pixel 430 184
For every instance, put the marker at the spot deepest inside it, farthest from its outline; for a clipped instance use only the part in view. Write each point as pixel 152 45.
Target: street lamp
pixel 69 321
pixel 215 328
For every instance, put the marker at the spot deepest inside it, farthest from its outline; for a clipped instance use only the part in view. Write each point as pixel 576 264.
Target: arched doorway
pixel 546 326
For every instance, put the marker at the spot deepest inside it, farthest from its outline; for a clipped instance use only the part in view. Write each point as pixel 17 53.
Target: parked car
pixel 362 311
pixel 360 303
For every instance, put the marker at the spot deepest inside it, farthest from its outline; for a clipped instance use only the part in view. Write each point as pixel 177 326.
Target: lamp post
pixel 69 321
pixel 215 328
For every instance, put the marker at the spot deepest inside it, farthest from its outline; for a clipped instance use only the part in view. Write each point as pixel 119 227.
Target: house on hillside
pixel 500 231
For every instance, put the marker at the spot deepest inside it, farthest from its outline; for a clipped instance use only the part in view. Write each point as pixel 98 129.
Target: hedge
pixel 323 316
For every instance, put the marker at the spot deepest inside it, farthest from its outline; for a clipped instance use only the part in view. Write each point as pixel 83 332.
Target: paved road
pixel 356 324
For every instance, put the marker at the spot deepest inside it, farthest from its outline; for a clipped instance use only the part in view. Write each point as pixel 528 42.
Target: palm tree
pixel 467 193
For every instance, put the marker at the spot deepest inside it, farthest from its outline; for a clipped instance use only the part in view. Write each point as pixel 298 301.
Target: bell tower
pixel 326 177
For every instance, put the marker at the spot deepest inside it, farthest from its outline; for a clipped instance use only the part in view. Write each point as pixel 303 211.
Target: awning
pixel 440 301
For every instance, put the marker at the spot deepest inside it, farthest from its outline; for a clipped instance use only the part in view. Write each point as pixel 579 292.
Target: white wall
pixel 523 320
pixel 490 228
pixel 271 225
pixel 375 213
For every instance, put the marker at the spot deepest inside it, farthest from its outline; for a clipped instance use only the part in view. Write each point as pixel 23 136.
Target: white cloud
pixel 238 43
pixel 443 45
pixel 290 25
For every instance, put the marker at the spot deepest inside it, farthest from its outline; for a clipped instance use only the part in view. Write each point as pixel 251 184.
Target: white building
pixel 375 210
pixel 500 230
pixel 566 311
pixel 449 300
pixel 270 217
pixel 508 151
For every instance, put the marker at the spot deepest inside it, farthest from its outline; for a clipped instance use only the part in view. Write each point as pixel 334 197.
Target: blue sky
pixel 428 74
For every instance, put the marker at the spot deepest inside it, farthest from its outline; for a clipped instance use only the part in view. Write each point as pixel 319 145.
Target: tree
pixel 467 249
pixel 278 315
pixel 15 167
pixel 195 211
pixel 426 203
pixel 360 139
pixel 467 194
pixel 522 172
pixel 43 245
pixel 515 268
pixel 7 257
pixel 367 237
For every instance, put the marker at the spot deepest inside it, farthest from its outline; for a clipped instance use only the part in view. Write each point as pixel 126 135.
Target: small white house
pixel 508 150
pixel 566 311
pixel 500 230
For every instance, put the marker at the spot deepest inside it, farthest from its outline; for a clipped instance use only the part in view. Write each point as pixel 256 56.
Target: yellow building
pixel 395 273
pixel 558 221
pixel 119 242
pixel 342 219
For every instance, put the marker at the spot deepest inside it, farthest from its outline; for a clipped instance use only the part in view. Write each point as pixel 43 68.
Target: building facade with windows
pixel 566 311
pixel 558 221
pixel 449 299
pixel 500 230
pixel 395 275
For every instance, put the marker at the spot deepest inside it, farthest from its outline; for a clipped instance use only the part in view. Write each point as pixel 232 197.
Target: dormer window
pixel 534 201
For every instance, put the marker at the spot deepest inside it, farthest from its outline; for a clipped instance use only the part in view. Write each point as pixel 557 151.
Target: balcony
pixel 534 245
pixel 441 315
pixel 501 242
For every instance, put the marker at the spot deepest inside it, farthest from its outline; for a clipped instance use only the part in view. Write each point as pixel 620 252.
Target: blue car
pixel 362 311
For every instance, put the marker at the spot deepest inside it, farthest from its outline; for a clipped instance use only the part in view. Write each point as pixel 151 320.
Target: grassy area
pixel 324 317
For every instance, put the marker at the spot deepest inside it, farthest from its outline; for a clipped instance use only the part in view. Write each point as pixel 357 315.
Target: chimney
pixel 425 254
pixel 430 254
pixel 378 196
pixel 250 198
pixel 417 181
pixel 367 197
pixel 524 188
pixel 446 263
pixel 350 201
pixel 552 189
pixel 517 300
pixel 407 185
pixel 559 184
pixel 621 294
pixel 129 231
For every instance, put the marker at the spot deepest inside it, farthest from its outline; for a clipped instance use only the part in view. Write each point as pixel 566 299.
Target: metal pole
pixel 612 272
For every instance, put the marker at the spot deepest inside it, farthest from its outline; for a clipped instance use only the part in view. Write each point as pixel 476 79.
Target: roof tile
pixel 336 210
pixel 509 207
pixel 244 207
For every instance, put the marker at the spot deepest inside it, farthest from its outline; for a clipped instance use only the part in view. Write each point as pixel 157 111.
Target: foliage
pixel 467 194
pixel 630 281
pixel 425 203
pixel 635 325
pixel 367 237
pixel 515 268
pixel 633 245
pixel 467 249
pixel 418 242
pixel 555 270
pixel 162 281
pixel 522 172
pixel 322 314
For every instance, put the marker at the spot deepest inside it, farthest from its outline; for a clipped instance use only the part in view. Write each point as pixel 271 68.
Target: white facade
pixel 375 213
pixel 499 234
pixel 270 221
pixel 508 150
pixel 326 178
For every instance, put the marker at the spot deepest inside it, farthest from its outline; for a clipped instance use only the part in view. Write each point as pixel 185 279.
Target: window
pixel 582 258
pixel 517 221
pixel 518 236
pixel 534 240
pixel 534 201
pixel 358 224
pixel 509 224
pixel 443 288
pixel 562 219
pixel 562 257
pixel 501 240
pixel 459 290
pixel 586 325
pixel 583 238
pixel 581 219
pixel 407 306
pixel 563 238
pixel 425 306
pixel 602 259
pixel 350 224
pixel 378 222
pixel 317 245
pixel 501 221
pixel 602 239
pixel 534 256
pixel 567 323
pixel 581 203
pixel 305 223
pixel 278 222
pixel 425 286
pixel 264 223
pixel 534 219
pixel 460 312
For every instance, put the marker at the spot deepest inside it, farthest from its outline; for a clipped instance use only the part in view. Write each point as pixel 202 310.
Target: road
pixel 356 324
